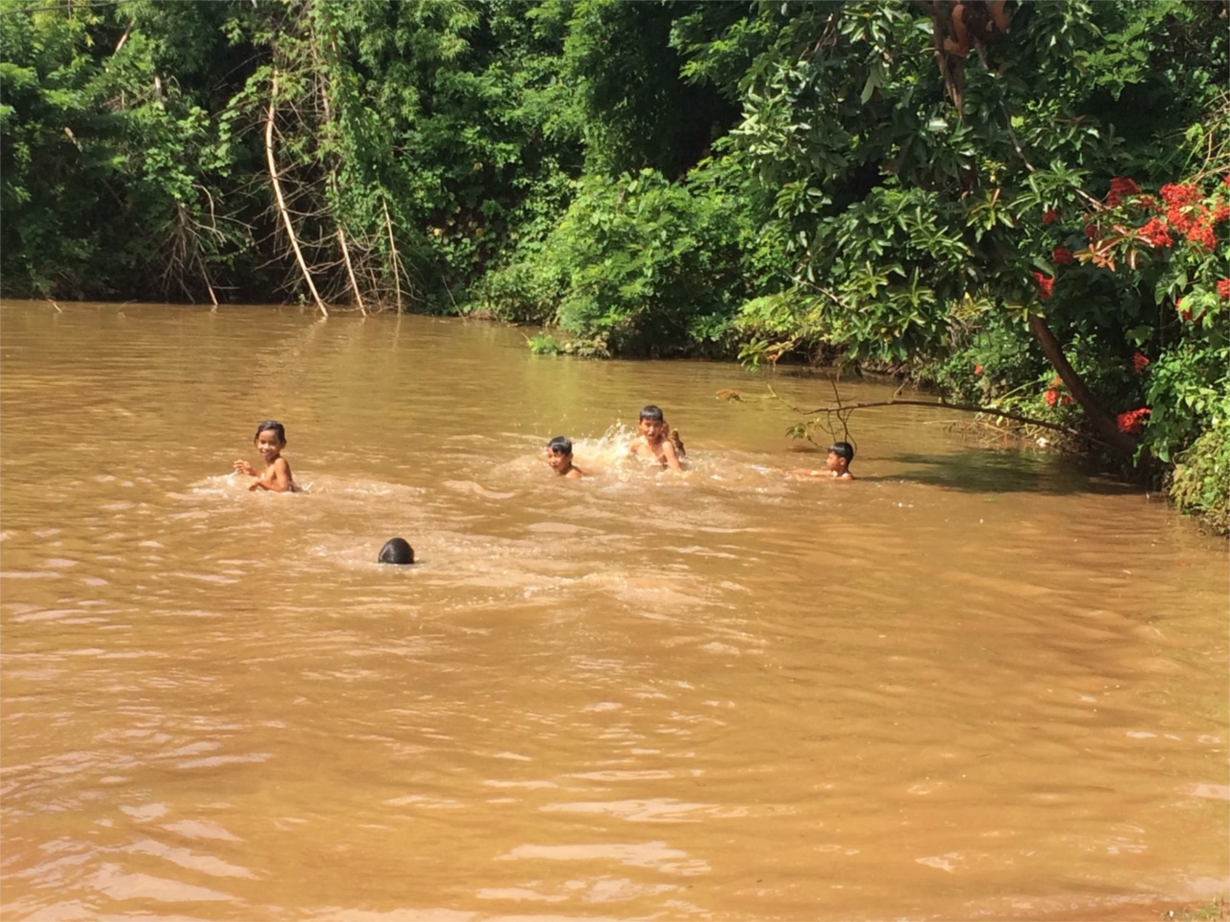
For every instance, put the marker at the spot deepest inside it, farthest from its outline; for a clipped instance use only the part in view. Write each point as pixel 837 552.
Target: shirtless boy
pixel 836 463
pixel 559 456
pixel 276 477
pixel 656 442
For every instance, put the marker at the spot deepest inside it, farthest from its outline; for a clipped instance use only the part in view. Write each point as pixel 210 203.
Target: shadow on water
pixel 981 471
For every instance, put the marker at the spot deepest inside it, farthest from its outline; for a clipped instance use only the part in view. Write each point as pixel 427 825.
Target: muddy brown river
pixel 976 683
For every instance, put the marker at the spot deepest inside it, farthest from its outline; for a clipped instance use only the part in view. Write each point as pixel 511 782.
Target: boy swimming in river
pixel 270 440
pixel 559 456
pixel 836 463
pixel 656 440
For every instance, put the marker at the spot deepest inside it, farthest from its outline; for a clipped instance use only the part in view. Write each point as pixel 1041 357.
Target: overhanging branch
pixel 841 409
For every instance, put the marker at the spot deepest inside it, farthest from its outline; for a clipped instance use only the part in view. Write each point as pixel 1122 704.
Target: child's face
pixel 269 445
pixel 652 429
pixel 835 462
pixel 559 461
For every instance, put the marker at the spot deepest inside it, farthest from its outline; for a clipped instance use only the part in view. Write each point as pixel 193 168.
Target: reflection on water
pixel 972 684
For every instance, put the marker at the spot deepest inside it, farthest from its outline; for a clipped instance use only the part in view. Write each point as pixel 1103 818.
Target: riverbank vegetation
pixel 1023 205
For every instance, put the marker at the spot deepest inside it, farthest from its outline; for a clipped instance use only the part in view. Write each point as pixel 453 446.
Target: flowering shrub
pixel 1155 270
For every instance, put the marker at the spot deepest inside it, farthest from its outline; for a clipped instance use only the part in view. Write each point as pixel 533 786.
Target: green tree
pixel 914 176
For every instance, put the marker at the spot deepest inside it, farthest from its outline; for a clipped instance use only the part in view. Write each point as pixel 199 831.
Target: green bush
pixel 652 268
pixel 1201 481
pixel 521 293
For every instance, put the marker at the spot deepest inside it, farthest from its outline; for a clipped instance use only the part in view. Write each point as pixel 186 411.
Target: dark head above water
pixel 396 550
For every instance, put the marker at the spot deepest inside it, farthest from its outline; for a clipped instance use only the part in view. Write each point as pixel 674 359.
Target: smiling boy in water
pixel 656 440
pixel 559 456
pixel 270 440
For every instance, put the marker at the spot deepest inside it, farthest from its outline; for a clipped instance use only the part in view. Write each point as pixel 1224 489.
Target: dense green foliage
pixel 1019 203
pixel 636 264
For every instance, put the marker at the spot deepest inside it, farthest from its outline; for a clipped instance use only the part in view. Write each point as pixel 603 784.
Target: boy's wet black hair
pixel 653 413
pixel 396 550
pixel 843 450
pixel 560 445
pixel 271 425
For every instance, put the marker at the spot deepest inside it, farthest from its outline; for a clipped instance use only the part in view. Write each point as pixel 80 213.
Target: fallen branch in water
pixel 843 409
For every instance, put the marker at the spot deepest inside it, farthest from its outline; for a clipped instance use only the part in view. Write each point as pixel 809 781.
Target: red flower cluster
pixel 1139 361
pixel 1045 285
pixel 1120 188
pixel 1177 194
pixel 1157 233
pixel 1052 396
pixel 1133 421
pixel 1187 216
pixel 1050 216
pixel 1223 289
pixel 1061 256
pixel 978 368
pixel 1201 232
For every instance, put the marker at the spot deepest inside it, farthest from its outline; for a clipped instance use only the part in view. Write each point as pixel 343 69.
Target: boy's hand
pixel 245 468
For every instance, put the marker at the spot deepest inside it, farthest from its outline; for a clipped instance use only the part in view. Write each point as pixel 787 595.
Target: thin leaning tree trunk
pixel 277 191
pixel 354 284
pixel 392 252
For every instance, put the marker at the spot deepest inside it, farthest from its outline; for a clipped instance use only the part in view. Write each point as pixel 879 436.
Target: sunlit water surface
pixel 975 683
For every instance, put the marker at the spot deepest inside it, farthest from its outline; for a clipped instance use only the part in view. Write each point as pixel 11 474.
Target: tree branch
pixel 938 404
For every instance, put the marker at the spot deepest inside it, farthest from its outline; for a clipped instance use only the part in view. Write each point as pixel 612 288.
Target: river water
pixel 974 683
